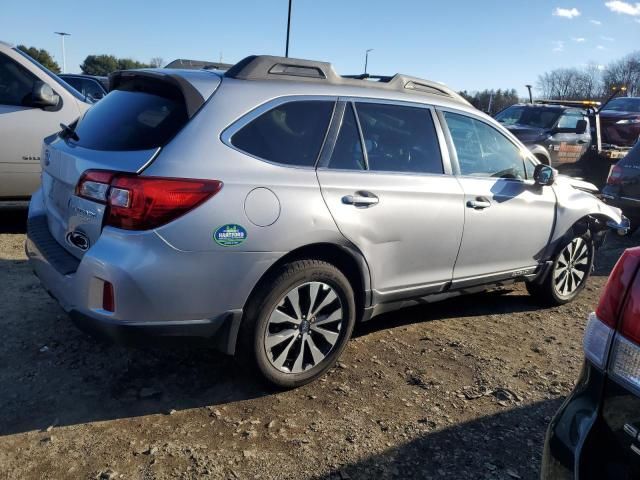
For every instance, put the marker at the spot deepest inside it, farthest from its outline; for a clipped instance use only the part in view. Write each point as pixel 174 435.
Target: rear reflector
pixel 143 203
pixel 108 299
pixel 597 339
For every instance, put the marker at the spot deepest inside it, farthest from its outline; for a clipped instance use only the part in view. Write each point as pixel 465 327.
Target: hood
pixel 577 183
pixel 527 134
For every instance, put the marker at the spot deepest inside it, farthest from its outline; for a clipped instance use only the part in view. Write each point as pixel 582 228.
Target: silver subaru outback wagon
pixel 272 207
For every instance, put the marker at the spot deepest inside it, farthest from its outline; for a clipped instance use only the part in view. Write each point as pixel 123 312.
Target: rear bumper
pixel 159 291
pixel 571 427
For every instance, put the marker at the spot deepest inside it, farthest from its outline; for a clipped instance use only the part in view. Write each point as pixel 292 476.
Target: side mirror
pixel 544 175
pixel 581 127
pixel 43 96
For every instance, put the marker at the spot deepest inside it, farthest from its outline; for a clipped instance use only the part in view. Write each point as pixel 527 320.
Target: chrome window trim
pixel 454 155
pixel 228 133
pixel 323 164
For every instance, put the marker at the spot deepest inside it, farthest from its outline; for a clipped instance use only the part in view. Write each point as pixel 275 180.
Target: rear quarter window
pixel 291 133
pixel 133 118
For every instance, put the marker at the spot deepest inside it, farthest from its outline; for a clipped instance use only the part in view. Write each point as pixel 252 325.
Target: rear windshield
pixel 132 119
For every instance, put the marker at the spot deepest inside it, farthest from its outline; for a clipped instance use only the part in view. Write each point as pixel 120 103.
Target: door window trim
pixel 454 154
pixel 238 124
pixel 330 141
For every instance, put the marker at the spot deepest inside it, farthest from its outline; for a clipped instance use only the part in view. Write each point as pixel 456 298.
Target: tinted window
pixel 624 104
pixel 291 133
pixel 75 83
pixel 399 139
pixel 347 154
pixel 132 120
pixel 570 120
pixel 93 88
pixel 482 150
pixel 16 83
pixel 531 116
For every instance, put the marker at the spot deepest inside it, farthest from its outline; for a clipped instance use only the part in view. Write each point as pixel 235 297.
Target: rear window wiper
pixel 68 132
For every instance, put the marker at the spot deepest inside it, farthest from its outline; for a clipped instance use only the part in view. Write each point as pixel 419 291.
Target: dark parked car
pixel 620 121
pixel 90 86
pixel 596 432
pixel 555 134
pixel 623 186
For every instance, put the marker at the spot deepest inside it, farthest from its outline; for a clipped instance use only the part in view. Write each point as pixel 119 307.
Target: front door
pixel 392 196
pixel 565 145
pixel 508 219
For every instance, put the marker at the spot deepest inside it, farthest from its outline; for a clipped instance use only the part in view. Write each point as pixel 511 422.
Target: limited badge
pixel 230 235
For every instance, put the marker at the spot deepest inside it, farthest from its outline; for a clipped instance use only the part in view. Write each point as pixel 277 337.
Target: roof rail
pixel 268 67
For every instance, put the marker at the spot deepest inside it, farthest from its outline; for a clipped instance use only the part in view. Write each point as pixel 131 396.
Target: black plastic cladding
pixel 268 67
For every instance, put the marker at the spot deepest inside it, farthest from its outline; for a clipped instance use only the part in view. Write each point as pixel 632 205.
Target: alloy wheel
pixel 570 270
pixel 304 327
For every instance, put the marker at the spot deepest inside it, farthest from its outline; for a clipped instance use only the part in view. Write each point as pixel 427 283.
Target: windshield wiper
pixel 68 132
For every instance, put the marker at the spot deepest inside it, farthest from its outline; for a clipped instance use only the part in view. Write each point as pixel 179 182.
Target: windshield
pixel 64 84
pixel 538 117
pixel 624 104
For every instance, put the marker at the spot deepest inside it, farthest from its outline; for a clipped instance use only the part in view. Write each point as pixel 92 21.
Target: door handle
pixel 581 142
pixel 360 199
pixel 479 203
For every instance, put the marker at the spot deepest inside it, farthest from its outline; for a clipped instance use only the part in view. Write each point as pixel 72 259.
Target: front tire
pixel 298 322
pixel 569 273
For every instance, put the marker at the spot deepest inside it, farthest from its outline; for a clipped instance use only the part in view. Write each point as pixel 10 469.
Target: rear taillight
pixel 615 176
pixel 620 301
pixel 143 203
pixel 615 291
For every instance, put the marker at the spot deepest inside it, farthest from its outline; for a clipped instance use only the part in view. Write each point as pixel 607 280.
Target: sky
pixel 467 44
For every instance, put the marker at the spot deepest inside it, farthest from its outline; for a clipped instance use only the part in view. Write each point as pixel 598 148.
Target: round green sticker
pixel 230 235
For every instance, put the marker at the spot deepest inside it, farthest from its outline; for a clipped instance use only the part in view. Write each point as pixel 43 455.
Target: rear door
pixel 508 219
pixel 388 186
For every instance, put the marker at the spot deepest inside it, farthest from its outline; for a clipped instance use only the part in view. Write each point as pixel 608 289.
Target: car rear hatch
pixel 122 133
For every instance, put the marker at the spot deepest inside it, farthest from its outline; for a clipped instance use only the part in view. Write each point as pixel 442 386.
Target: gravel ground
pixel 460 389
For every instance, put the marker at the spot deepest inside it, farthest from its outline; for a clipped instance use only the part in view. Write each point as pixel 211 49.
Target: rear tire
pixel 569 273
pixel 298 322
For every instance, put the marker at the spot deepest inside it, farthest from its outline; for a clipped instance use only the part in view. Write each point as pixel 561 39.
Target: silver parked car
pixel 33 104
pixel 274 206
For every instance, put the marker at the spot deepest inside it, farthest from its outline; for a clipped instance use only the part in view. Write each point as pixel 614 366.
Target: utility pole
pixel 366 59
pixel 64 57
pixel 530 96
pixel 286 51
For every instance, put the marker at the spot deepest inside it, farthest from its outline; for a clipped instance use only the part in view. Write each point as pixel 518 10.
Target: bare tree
pixel 157 62
pixel 624 72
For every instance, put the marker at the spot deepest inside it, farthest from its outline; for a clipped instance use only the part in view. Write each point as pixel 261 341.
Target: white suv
pixel 33 104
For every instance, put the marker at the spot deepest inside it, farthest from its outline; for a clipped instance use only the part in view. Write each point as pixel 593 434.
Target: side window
pixel 75 83
pixel 291 133
pixel 482 150
pixel 16 83
pixel 92 88
pixel 569 120
pixel 347 154
pixel 399 138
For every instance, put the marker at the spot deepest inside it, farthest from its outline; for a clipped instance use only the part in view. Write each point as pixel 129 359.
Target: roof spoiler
pixel 192 97
pixel 268 67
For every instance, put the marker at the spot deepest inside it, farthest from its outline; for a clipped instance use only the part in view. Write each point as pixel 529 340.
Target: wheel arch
pixel 346 258
pixel 541 154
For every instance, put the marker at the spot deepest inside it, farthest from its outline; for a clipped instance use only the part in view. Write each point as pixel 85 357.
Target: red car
pixel 620 122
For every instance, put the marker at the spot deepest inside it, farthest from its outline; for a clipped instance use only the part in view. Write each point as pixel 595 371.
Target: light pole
pixel 286 51
pixel 530 96
pixel 64 58
pixel 366 59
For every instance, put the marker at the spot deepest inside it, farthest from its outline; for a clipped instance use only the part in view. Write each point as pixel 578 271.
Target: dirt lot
pixel 461 389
